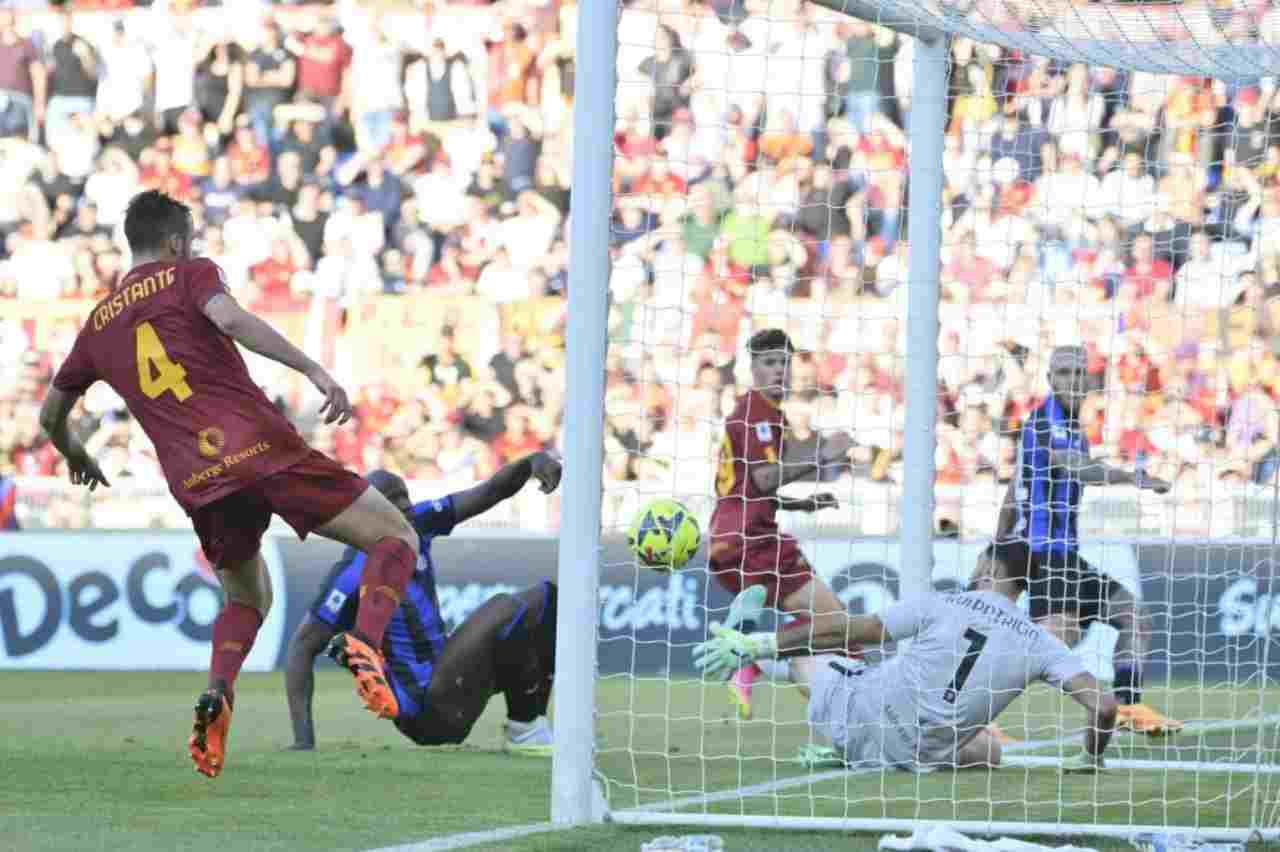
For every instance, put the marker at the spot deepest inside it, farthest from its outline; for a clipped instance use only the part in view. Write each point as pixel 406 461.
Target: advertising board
pixel 128 600
pixel 147 600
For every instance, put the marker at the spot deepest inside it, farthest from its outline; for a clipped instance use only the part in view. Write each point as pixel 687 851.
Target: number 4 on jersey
pixel 156 372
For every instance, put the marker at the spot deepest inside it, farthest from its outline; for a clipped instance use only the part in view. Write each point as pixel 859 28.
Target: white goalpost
pixel 640 739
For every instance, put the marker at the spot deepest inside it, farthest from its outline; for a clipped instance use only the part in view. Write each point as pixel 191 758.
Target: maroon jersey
pixel 744 515
pixel 183 380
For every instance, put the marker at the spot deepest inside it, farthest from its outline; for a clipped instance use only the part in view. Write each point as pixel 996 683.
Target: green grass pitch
pixel 97 761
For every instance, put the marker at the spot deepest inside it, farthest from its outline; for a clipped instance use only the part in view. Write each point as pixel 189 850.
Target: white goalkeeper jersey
pixel 970 655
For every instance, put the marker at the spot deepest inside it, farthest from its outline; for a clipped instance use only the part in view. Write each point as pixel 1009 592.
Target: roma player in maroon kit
pixel 164 340
pixel 746 547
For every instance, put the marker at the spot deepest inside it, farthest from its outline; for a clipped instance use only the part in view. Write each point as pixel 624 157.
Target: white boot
pixel 531 738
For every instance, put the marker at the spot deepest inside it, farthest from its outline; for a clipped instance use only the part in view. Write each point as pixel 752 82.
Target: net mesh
pixel 1110 182
pixel 1227 40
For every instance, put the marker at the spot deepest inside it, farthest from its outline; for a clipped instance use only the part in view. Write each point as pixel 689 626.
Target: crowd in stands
pixel 340 157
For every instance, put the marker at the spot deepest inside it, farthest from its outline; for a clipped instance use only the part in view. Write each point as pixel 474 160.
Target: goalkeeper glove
pixel 730 650
pixel 813 756
pixel 1083 763
pixel 746 607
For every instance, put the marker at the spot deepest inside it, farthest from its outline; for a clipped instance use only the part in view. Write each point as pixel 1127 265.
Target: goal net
pixel 1107 176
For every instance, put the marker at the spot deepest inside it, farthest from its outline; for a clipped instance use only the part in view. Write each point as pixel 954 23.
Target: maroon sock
pixel 387 571
pixel 233 633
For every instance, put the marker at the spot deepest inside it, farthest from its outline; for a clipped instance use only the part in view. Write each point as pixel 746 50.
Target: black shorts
pixel 1064 583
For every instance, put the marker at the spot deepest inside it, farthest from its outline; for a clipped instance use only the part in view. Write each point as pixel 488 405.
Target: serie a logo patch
pixel 764 432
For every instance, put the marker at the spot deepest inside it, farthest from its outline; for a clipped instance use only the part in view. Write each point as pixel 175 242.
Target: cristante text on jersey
pixel 132 293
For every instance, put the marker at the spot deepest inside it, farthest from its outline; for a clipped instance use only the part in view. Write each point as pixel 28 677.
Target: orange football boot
pixel 208 742
pixel 366 666
pixel 1142 719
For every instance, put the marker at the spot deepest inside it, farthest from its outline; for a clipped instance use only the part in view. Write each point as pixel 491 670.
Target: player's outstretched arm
pixel 258 336
pixel 798 464
pixel 506 483
pixel 53 419
pixel 1101 707
pixel 825 500
pixel 309 640
pixel 729 649
pixel 830 631
pixel 1090 471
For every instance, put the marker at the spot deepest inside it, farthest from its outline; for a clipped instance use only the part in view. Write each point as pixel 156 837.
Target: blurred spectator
pixel 176 49
pixel 376 87
pixel 440 86
pixel 126 76
pixel 219 84
pixel 270 72
pixel 445 367
pixel 324 59
pixel 282 189
pixel 306 137
pixel 510 72
pixel 73 78
pixel 272 279
pixel 670 68
pixel 23 81
pixel 249 157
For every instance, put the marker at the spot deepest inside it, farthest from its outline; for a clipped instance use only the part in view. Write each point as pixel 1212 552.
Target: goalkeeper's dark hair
pixel 1014 557
pixel 152 218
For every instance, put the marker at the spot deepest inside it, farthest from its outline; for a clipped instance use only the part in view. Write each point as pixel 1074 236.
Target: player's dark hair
pixel 770 340
pixel 152 218
pixel 1015 560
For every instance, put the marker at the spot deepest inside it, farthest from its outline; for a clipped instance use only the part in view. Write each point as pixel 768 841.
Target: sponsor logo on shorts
pixel 224 464
pixel 335 601
pixel 210 442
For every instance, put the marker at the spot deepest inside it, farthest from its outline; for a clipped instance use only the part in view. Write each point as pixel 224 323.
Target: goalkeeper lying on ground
pixel 972 653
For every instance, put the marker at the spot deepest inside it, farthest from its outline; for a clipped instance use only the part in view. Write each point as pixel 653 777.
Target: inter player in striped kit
pixel 746 547
pixel 164 340
pixel 444 682
pixel 1042 508
pixel 928 706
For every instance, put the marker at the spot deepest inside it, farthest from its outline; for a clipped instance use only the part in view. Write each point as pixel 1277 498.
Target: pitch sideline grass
pixel 96 761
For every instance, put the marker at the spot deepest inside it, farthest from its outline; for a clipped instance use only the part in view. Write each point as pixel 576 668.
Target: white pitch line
pixel 472 838
pixel 1206 768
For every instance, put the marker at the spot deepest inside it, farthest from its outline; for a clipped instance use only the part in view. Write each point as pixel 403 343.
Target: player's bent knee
pixel 437 737
pixel 433 728
pixel 247 583
pixel 261 601
pixel 542 601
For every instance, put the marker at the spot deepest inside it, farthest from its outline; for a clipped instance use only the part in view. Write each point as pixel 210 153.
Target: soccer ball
pixel 664 535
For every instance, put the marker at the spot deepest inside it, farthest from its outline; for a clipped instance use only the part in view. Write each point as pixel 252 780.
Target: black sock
pixel 1128 684
pixel 519 681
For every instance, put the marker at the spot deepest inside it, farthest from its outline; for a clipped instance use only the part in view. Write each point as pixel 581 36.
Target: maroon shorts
pixel 775 563
pixel 307 494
